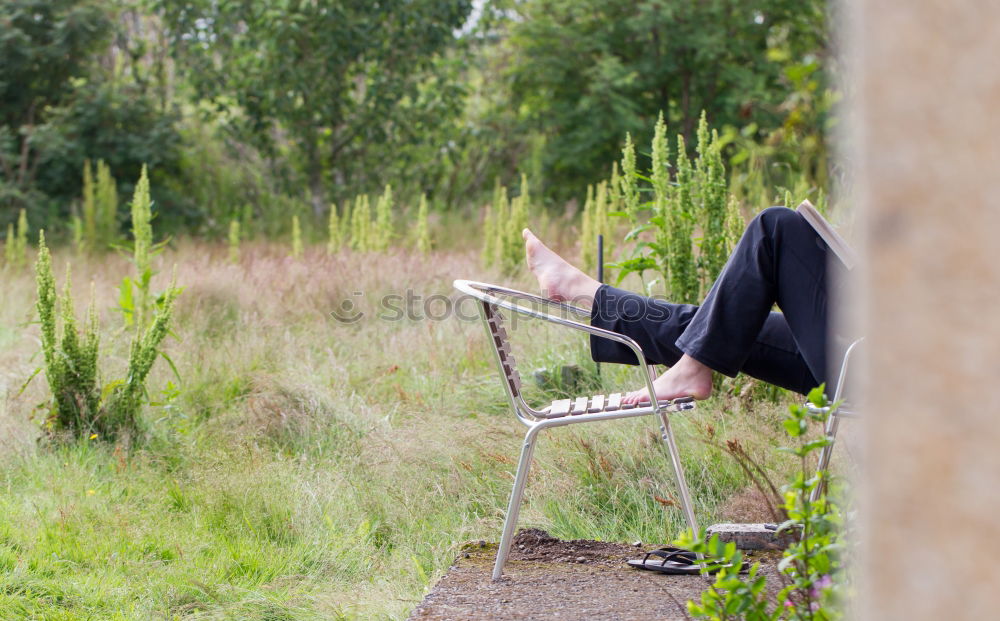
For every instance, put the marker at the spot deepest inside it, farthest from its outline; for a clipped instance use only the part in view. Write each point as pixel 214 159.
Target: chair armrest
pixel 484 292
pixel 643 369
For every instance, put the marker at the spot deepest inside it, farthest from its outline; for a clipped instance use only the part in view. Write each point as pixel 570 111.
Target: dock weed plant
pixel 361 224
pixel 296 238
pixel 99 230
pixel 382 231
pixel 505 220
pixel 422 230
pixel 595 221
pixel 334 231
pixel 79 404
pixel 492 235
pixel 233 240
pixel 682 232
pixel 16 245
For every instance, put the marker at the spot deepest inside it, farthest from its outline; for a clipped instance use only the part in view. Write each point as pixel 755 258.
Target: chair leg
pixel 832 425
pixel 667 434
pixel 514 507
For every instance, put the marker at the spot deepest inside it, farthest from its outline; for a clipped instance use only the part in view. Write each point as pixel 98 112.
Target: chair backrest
pixel 847 407
pixel 501 345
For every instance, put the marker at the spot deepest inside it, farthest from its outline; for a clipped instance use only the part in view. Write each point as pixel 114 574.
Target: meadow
pixel 304 467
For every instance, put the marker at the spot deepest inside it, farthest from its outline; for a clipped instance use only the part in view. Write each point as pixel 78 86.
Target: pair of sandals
pixel 676 561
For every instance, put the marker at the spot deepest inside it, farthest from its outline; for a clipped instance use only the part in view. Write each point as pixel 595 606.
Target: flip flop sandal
pixel 668 561
pixel 675 561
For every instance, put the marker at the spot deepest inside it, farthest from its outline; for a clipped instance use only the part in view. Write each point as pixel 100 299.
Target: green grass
pixel 312 469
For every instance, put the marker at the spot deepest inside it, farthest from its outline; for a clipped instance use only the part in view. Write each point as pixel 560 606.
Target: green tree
pixel 583 72
pixel 44 44
pixel 334 76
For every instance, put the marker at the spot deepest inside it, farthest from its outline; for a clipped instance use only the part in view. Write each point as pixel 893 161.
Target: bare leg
pixel 687 378
pixel 558 279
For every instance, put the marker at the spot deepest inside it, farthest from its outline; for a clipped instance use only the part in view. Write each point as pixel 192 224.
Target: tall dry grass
pixel 309 468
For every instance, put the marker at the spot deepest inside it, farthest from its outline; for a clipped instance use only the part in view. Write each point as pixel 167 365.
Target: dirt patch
pixel 547 578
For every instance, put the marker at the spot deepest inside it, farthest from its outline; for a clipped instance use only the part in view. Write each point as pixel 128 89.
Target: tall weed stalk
pixel 79 403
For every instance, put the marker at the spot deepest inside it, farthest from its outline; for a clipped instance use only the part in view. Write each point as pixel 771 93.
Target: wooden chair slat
pixel 597 403
pixel 560 407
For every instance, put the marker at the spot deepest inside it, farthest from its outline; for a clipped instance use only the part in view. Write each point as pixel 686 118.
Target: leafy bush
pixel 814 566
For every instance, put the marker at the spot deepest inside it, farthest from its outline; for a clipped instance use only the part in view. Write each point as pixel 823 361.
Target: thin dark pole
pixel 600 258
pixel 600 274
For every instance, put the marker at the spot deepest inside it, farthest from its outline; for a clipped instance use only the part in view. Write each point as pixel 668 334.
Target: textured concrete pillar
pixel 928 144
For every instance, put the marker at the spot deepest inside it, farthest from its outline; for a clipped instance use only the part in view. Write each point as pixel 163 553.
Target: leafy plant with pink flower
pixel 813 568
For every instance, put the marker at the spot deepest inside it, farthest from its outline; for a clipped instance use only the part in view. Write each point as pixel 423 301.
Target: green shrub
pixel 506 219
pixel 813 568
pixel 122 409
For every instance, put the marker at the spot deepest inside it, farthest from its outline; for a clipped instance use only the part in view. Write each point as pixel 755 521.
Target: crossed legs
pixel 779 260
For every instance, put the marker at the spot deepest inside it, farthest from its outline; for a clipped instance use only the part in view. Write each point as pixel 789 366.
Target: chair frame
pixel 833 422
pixel 539 420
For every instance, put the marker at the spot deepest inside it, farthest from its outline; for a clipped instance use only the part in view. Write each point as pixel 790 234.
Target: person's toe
pixel 636 397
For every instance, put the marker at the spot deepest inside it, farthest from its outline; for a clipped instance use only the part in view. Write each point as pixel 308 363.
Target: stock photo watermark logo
pixel 406 306
pixel 412 306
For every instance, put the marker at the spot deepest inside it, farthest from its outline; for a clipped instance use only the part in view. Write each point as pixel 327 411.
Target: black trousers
pixel 779 260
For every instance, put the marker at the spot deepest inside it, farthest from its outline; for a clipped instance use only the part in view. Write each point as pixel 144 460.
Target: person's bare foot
pixel 687 378
pixel 557 279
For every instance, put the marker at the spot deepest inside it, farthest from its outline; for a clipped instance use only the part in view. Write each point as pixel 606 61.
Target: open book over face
pixel 838 244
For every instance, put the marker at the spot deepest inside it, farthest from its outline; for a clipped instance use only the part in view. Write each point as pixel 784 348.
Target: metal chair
pixel 844 410
pixel 588 409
